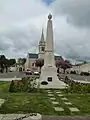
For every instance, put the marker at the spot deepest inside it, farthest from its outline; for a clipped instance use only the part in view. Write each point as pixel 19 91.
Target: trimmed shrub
pixel 76 86
pixel 12 86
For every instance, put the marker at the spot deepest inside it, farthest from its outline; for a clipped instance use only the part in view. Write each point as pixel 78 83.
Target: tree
pixel 39 63
pixel 59 63
pixel 84 62
pixel 11 62
pixel 21 61
pixel 3 62
pixel 6 64
pixel 64 64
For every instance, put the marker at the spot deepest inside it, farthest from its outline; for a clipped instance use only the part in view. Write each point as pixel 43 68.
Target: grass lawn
pixel 81 101
pixel 40 102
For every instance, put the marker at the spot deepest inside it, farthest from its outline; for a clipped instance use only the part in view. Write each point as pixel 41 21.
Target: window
pixel 42 48
pixel 32 64
pixel 49 79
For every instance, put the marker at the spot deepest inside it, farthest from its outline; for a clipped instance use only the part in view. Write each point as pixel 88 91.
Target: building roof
pixel 58 57
pixel 33 55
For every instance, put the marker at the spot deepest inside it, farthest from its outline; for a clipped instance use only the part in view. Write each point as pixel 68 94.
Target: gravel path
pixel 66 118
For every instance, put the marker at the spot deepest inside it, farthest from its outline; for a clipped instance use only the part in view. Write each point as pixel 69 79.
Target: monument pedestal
pixel 49 78
pixel 48 71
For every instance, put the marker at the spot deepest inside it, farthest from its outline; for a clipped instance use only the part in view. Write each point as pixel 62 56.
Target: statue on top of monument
pixel 50 16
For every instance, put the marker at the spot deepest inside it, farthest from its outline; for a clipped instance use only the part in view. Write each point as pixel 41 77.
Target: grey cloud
pixel 22 39
pixel 19 11
pixel 19 23
pixel 4 43
pixel 71 42
pixel 76 11
pixel 4 46
pixel 20 34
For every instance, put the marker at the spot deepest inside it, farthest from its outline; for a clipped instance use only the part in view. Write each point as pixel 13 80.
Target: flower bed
pixel 26 84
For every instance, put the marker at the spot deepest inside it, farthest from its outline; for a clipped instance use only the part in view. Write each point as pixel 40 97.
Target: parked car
pixel 36 73
pixel 28 72
pixel 85 73
pixel 10 70
pixel 73 72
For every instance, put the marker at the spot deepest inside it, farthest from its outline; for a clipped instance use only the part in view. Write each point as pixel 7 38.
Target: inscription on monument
pixel 49 79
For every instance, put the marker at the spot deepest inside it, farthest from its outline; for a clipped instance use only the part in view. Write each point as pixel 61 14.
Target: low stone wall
pixel 31 116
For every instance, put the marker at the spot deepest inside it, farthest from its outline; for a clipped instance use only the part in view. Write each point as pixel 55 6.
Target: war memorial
pixel 46 97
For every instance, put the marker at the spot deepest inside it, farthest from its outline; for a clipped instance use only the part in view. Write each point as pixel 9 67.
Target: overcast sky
pixel 21 22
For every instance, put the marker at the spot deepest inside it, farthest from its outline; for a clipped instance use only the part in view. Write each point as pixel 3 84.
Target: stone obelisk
pixel 48 77
pixel 49 55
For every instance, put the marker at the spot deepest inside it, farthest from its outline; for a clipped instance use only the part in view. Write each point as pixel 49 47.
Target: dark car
pixel 85 73
pixel 28 72
pixel 73 72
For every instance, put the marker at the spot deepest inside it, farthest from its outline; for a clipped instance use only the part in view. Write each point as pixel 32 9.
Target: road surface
pixel 77 77
pixel 11 75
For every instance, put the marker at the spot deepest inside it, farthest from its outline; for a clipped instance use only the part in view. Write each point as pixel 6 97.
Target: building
pixel 32 57
pixel 83 67
pixel 76 68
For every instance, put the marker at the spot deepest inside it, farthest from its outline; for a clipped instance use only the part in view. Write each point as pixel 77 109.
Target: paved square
pixel 49 92
pixel 53 98
pixel 50 95
pixel 64 98
pixel 55 103
pixel 68 103
pixel 60 95
pixel 58 109
pixel 74 109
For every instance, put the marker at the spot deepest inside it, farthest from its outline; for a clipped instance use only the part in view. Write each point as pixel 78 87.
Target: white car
pixel 36 73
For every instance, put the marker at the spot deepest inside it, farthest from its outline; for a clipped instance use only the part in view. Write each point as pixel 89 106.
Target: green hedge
pixel 77 86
